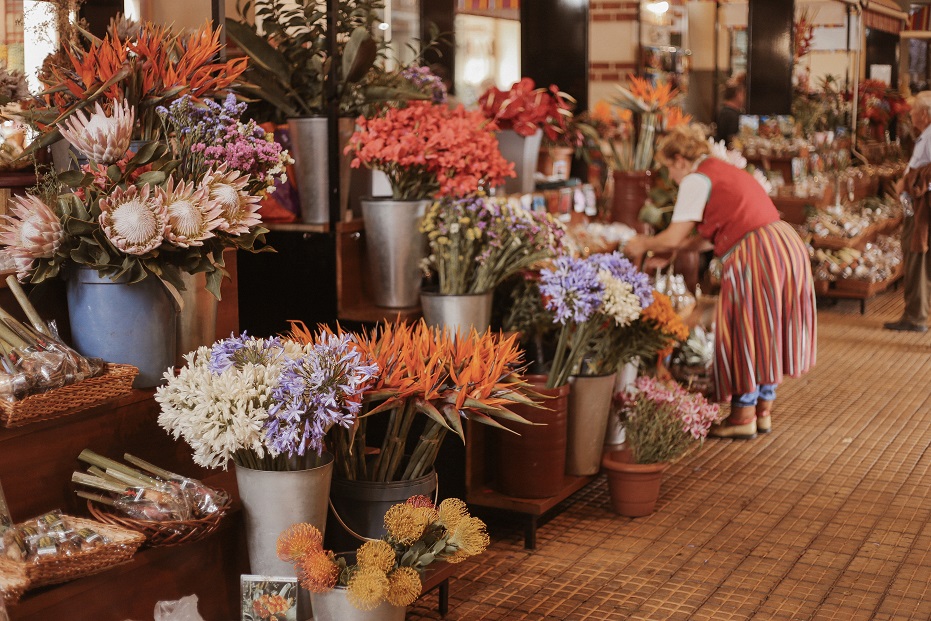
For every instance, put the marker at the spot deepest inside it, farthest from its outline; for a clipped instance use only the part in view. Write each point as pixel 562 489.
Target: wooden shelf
pixel 487 497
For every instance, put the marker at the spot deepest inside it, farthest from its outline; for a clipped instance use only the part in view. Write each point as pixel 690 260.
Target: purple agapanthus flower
pixel 571 289
pixel 316 391
pixel 237 351
pixel 622 269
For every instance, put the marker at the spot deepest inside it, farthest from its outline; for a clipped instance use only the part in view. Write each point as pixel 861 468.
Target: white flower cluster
pixel 619 300
pixel 736 158
pixel 217 414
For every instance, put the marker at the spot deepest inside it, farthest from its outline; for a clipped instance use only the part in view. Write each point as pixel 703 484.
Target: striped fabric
pixel 766 321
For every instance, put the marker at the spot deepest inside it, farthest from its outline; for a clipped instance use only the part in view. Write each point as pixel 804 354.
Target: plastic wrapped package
pixel 184 609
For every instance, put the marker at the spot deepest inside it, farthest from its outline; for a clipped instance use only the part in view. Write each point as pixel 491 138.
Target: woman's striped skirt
pixel 766 320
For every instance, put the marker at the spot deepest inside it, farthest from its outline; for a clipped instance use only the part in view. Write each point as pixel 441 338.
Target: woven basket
pixel 115 381
pixel 122 545
pixel 11 587
pixel 168 533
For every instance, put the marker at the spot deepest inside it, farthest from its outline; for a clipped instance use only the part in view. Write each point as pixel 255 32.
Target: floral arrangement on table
pixel 150 70
pixel 880 107
pixel 477 242
pixel 664 421
pixel 429 150
pixel 389 569
pixel 588 298
pixel 525 109
pixel 822 110
pixel 135 213
pixel 651 112
pixel 265 403
pixel 425 372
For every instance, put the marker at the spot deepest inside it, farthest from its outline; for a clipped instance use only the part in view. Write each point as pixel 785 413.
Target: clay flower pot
pixel 634 488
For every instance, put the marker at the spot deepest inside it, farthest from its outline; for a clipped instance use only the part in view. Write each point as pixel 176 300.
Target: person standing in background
pixel 728 119
pixel 913 190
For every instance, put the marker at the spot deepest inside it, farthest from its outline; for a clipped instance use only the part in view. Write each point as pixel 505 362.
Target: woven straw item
pixel 119 549
pixel 116 380
pixel 168 533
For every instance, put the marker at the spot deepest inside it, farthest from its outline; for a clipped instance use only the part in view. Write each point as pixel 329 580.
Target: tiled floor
pixel 825 518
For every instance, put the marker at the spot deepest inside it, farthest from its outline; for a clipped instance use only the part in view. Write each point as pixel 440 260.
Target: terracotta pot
pixel 554 162
pixel 634 488
pixel 631 189
pixel 533 464
pixel 686 263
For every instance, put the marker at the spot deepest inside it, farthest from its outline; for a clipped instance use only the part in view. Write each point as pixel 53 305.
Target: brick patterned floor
pixel 826 518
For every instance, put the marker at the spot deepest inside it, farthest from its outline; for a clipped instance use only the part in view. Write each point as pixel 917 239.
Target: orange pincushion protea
pixel 298 541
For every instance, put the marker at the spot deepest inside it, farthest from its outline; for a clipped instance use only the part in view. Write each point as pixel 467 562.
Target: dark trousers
pixel 917 271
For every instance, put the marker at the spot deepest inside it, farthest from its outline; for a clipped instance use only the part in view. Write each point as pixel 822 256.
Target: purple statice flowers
pixel 571 289
pixel 315 391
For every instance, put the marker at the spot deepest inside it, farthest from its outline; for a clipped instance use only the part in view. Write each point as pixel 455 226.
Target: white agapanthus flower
pixel 218 414
pixel 619 301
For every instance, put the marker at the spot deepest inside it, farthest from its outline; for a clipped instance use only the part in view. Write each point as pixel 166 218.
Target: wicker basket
pixel 115 381
pixel 169 533
pixel 119 549
pixel 12 587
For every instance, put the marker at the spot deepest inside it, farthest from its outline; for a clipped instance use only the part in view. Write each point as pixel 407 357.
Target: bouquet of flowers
pixel 664 421
pixel 429 150
pixel 526 108
pixel 587 296
pixel 149 70
pixel 650 112
pixel 265 403
pixel 478 242
pixel 879 106
pixel 424 373
pixel 131 213
pixel 387 569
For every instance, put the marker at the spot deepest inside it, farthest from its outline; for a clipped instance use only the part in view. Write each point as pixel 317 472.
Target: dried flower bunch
pixel 12 85
pixel 264 403
pixel 132 214
pixel 387 569
pixel 429 150
pixel 525 108
pixel 663 420
pixel 429 378
pixel 151 69
pixel 588 298
pixel 478 242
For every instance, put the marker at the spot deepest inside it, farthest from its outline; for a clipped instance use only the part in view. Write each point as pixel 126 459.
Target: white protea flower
pixel 192 216
pixel 228 189
pixel 134 220
pixel 103 139
pixel 32 232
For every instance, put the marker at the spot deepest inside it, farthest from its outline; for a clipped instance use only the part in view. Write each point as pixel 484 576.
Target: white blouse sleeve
pixel 693 196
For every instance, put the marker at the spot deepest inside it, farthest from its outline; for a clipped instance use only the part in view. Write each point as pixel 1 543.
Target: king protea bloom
pixel 227 188
pixel 192 216
pixel 103 139
pixel 32 232
pixel 134 220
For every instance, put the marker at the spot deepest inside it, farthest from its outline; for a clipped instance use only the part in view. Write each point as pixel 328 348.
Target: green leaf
pixel 114 173
pixel 149 152
pixel 359 55
pixel 259 50
pixel 154 177
pixel 71 178
pixel 214 280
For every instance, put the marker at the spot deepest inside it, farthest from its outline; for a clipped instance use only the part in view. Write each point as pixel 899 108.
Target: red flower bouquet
pixel 430 151
pixel 525 109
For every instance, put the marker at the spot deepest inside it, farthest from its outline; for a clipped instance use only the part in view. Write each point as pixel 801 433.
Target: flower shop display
pixel 426 151
pixel 150 69
pixel 13 91
pixel 691 362
pixel 664 422
pixel 524 114
pixel 880 110
pixel 267 405
pixel 169 509
pixel 384 576
pixel 475 244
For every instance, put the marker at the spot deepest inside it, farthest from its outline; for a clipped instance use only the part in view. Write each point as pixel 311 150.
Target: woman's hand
pixel 635 249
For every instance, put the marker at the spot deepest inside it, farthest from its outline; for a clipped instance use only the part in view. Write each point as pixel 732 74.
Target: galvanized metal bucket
pixel 197 322
pixel 310 150
pixel 589 405
pixel 524 151
pixel 457 312
pixel 360 506
pixel 333 605
pixel 395 248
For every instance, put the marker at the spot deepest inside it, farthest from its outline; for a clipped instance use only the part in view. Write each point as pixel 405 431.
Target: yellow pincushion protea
pixel 367 588
pixel 134 220
pixel 404 586
pixel 317 572
pixel 406 524
pixel 469 538
pixel 377 553
pixel 297 541
pixel 452 511
pixel 191 215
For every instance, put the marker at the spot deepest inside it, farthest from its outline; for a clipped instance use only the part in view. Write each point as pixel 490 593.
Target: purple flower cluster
pixel 237 351
pixel 622 269
pixel 316 391
pixel 571 290
pixel 427 82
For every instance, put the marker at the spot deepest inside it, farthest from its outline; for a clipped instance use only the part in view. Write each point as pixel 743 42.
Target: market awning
pixel 507 9
pixel 885 15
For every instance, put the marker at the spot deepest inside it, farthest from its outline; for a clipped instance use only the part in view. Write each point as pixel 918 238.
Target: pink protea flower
pixel 240 209
pixel 103 139
pixel 192 216
pixel 32 232
pixel 134 220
